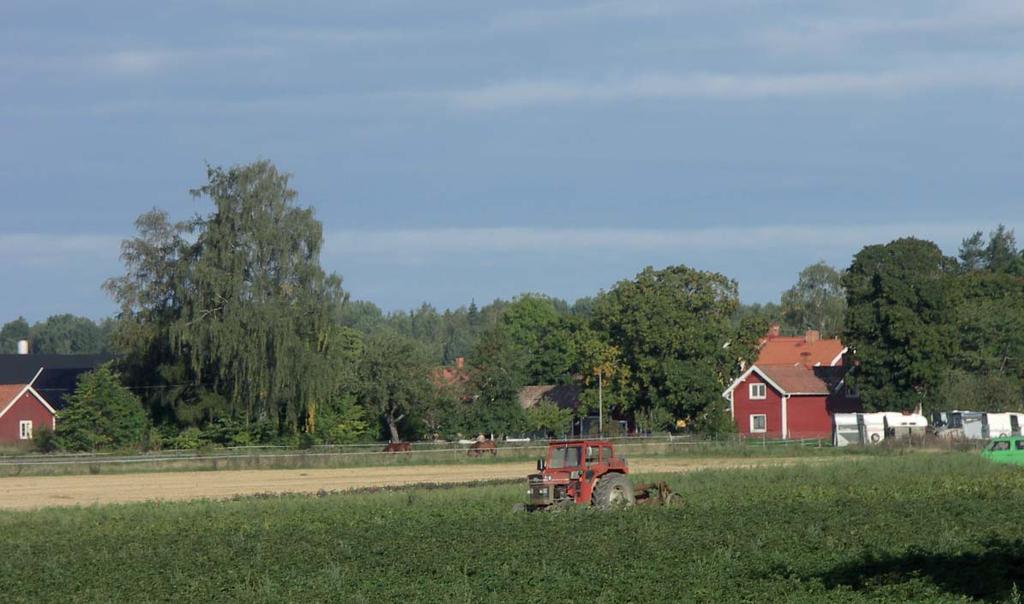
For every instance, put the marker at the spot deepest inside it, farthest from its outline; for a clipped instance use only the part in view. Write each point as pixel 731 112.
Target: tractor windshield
pixel 565 457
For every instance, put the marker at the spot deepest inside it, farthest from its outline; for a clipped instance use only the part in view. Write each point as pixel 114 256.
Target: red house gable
pixel 788 401
pixel 23 412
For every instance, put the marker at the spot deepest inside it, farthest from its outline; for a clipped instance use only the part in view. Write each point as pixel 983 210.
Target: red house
pixel 34 387
pixel 789 401
pixel 23 411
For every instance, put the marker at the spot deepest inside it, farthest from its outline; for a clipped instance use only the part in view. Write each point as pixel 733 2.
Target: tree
pixel 360 315
pixel 767 313
pixel 605 377
pixel 899 321
pixel 1001 255
pixel 344 421
pixel 101 414
pixel 150 295
pixel 972 252
pixel 67 334
pixel 989 324
pixel 393 378
pixel 546 417
pixel 232 309
pixel 499 369
pixel 991 392
pixel 673 328
pixel 11 332
pixel 817 301
pixel 998 254
pixel 540 327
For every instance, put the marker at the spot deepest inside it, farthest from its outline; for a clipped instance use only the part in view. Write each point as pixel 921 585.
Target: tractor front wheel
pixel 613 491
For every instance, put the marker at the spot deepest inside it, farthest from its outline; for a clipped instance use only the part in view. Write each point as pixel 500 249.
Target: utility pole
pixel 600 403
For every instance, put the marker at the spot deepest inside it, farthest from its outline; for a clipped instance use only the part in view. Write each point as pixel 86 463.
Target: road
pixel 31 492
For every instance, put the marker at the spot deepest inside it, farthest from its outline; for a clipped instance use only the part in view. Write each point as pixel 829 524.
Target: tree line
pixel 229 332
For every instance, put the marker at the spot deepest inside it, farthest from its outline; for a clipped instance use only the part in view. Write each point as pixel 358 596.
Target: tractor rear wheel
pixel 613 491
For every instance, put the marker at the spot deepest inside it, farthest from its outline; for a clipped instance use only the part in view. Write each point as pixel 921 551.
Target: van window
pixel 1000 445
pixel 1020 445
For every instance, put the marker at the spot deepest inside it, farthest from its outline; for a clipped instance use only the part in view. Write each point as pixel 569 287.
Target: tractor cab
pixel 573 471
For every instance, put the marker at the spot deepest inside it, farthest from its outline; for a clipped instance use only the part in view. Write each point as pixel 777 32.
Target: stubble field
pixel 30 492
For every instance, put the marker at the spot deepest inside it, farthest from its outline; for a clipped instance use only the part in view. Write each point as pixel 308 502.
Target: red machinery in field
pixel 588 472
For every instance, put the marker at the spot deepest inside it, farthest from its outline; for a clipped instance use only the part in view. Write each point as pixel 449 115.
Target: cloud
pixel 418 245
pixel 838 33
pixel 595 10
pixel 45 249
pixel 953 74
pixel 144 62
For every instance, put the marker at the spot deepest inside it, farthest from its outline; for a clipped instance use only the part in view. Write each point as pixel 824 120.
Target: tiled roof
pixel 8 392
pixel 449 376
pixel 794 379
pixel 782 350
pixel 564 396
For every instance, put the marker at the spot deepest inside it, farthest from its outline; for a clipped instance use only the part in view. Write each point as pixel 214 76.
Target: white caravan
pixel 904 425
pixel 858 429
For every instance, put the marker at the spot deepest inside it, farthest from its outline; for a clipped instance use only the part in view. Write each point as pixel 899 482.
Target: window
pixel 759 423
pixel 606 454
pixel 1000 445
pixel 25 429
pixel 592 453
pixel 1020 445
pixel 758 392
pixel 567 457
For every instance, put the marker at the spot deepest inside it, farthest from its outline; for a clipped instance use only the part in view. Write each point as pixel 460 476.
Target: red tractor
pixel 587 472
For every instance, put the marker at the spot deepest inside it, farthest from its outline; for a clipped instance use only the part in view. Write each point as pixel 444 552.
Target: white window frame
pixel 25 429
pixel 754 430
pixel 760 386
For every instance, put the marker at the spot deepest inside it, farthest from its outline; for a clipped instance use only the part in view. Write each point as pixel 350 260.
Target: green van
pixel 1005 449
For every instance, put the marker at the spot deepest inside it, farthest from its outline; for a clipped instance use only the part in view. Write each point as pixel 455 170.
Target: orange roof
pixel 449 376
pixel 794 379
pixel 804 350
pixel 8 392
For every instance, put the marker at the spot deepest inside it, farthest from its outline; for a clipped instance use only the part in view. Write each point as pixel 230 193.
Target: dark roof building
pixel 53 376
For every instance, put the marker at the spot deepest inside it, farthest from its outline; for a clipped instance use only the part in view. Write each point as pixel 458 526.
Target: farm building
pixel 789 401
pixel 23 410
pixel 34 387
pixel 793 388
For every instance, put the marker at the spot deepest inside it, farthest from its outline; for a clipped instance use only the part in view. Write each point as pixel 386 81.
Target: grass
pixel 924 528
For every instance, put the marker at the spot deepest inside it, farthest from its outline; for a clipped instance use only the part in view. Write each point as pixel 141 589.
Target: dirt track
pixel 46 491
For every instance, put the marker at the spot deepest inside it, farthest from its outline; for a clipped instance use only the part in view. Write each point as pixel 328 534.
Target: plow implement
pixel 655 493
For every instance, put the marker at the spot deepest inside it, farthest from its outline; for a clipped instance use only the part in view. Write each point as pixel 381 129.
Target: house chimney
pixel 774 330
pixel 812 336
pixel 460 362
pixel 22 346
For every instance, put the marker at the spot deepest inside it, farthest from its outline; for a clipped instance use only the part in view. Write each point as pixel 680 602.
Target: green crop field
pixel 940 527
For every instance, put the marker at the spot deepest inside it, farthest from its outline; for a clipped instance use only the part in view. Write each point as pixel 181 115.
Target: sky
pixel 465 150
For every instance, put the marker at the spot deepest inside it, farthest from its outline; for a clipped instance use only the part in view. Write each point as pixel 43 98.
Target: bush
pixel 344 423
pixel 101 414
pixel 45 441
pixel 189 438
